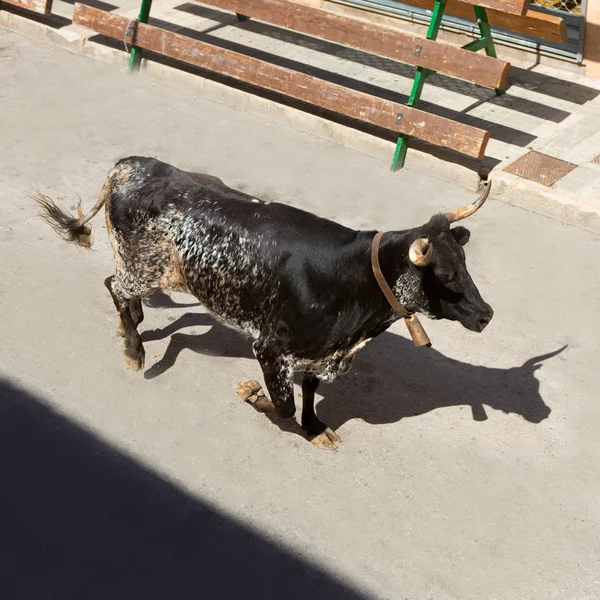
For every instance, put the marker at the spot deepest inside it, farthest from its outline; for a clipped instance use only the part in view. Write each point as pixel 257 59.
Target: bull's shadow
pixel 161 300
pixel 218 341
pixel 390 379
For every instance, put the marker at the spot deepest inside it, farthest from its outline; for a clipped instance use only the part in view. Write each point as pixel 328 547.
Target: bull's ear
pixel 461 235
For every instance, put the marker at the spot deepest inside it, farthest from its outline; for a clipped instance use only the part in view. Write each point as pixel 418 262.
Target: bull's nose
pixel 482 323
pixel 485 319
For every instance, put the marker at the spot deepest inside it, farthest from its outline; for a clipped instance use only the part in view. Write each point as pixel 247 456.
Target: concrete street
pixel 469 471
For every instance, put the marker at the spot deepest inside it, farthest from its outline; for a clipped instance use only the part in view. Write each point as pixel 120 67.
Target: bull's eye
pixel 444 275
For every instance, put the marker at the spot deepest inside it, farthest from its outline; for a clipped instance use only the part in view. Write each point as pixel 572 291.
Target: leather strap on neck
pixel 411 321
pixel 383 284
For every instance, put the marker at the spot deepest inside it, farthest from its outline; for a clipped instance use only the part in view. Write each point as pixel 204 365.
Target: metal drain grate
pixel 596 161
pixel 541 168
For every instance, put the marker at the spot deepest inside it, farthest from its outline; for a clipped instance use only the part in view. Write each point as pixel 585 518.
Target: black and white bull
pixel 302 286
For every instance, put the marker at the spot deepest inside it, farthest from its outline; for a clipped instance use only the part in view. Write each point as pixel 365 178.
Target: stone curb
pixel 558 204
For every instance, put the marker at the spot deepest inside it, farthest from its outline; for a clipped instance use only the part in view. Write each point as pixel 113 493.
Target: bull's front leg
pixel 278 372
pixel 318 433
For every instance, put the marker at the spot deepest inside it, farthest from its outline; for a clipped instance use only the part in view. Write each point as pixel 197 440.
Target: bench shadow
pixel 99 4
pixel 500 131
pixel 80 519
pixel 406 383
pixel 51 20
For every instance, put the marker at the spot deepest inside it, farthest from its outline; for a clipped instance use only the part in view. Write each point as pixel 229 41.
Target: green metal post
pixel 136 53
pixel 486 37
pixel 484 28
pixel 420 76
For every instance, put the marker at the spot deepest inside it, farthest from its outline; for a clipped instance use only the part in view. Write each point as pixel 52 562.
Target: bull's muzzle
pixel 484 319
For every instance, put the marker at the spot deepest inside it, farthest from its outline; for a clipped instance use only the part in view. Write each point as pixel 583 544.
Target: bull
pixel 303 287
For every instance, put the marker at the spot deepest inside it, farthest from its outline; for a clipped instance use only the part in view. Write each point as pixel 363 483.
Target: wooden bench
pixel 533 23
pixel 373 38
pixel 515 7
pixel 39 6
pixel 336 98
pixel 425 53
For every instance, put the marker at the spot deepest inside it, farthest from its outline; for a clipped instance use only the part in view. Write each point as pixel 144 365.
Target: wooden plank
pixel 373 38
pixel 513 7
pixel 335 98
pixel 39 6
pixel 537 24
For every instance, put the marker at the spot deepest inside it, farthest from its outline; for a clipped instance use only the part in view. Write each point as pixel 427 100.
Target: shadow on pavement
pixel 161 300
pixel 80 520
pixel 218 341
pixel 409 382
pixel 390 379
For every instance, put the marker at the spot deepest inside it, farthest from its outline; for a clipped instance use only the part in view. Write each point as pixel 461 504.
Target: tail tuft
pixel 64 224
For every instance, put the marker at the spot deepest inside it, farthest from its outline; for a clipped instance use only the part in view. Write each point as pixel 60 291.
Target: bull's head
pixel 437 253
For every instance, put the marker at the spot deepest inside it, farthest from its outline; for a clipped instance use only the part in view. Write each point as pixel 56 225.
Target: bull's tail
pixel 66 225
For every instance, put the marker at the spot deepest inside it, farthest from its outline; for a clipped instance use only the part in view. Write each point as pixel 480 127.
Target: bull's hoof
pixel 245 389
pixel 328 440
pixel 134 361
pixel 251 391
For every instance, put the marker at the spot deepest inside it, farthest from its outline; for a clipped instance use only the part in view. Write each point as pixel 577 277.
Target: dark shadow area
pixel 95 4
pixel 205 12
pixel 522 105
pixel 552 86
pixel 53 21
pixel 407 383
pixel 81 520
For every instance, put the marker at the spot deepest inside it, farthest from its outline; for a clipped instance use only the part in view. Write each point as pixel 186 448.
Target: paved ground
pixel 469 470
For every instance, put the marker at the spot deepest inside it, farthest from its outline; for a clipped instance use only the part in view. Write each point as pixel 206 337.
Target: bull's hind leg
pixel 134 354
pixel 137 314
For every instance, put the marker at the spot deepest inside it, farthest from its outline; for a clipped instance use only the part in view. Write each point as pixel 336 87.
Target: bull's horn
pixel 467 211
pixel 421 252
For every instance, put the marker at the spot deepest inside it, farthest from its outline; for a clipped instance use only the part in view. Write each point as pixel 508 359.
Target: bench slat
pixel 513 7
pixel 336 98
pixel 376 39
pixel 39 6
pixel 536 24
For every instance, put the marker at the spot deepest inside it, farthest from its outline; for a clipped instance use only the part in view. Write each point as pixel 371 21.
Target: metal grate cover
pixel 541 168
pixel 596 161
